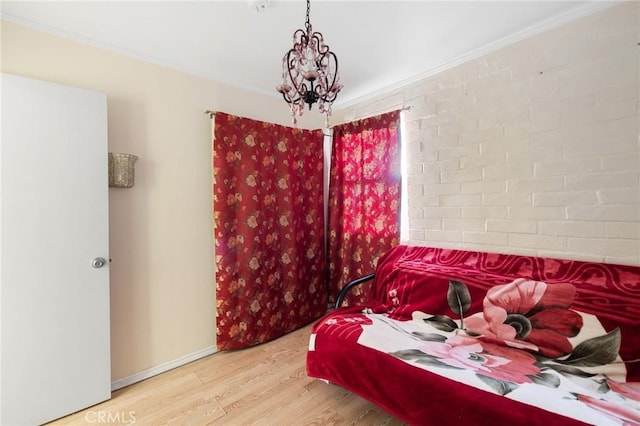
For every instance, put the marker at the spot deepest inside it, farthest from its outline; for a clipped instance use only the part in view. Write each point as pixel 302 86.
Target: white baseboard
pixel 158 369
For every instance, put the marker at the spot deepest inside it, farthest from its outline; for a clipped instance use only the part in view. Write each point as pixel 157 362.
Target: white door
pixel 54 304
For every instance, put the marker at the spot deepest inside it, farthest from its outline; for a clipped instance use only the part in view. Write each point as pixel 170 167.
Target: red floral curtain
pixel 364 199
pixel 269 231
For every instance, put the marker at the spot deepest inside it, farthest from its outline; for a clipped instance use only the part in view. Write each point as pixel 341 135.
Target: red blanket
pixel 452 336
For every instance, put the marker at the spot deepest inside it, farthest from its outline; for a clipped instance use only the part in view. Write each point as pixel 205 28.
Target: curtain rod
pixel 211 113
pixel 404 108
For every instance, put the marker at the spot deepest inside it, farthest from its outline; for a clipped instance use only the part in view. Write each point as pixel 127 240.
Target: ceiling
pixel 379 44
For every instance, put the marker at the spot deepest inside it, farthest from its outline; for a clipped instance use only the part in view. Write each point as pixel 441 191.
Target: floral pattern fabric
pixel 465 337
pixel 491 350
pixel 588 384
pixel 269 231
pixel 364 199
pixel 530 314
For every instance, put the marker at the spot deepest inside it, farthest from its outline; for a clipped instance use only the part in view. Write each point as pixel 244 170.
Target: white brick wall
pixel 531 149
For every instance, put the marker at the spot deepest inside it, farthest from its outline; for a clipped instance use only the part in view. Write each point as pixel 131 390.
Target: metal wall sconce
pixel 121 170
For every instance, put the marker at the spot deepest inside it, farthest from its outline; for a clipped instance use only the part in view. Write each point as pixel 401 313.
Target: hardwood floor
pixel 263 385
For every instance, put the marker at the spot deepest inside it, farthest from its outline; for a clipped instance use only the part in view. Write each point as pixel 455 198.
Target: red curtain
pixel 269 231
pixel 364 199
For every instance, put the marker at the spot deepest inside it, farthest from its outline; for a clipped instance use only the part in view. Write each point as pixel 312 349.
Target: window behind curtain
pixel 364 199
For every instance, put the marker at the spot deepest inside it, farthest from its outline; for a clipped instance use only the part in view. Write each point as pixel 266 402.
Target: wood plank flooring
pixel 263 385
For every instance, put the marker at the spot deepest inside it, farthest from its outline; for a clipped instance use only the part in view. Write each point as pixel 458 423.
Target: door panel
pixel 55 354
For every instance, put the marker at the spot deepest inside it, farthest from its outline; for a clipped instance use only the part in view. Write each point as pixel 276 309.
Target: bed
pixel 454 337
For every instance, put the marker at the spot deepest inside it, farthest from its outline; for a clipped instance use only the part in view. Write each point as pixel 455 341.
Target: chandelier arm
pixel 322 47
pixel 300 33
pixel 300 89
pixel 325 53
pixel 288 99
pixel 332 88
pixel 293 54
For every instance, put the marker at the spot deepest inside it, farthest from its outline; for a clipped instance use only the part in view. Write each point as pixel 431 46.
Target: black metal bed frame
pixel 349 286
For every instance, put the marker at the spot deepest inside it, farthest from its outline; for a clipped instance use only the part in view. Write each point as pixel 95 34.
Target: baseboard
pixel 159 369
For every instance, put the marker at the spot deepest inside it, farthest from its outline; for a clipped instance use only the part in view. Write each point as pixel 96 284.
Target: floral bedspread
pixel 526 345
pixel 500 339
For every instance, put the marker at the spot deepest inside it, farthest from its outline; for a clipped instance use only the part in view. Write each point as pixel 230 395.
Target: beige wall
pixel 162 275
pixel 530 149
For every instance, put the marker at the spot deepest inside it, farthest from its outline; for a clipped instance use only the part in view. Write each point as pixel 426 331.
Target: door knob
pixel 98 262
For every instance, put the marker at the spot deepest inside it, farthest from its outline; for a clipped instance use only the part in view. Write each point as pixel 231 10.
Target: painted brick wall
pixel 529 149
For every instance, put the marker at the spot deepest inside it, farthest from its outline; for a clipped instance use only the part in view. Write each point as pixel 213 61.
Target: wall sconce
pixel 121 171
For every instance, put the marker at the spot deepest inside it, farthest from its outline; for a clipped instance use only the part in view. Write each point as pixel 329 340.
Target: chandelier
pixel 309 73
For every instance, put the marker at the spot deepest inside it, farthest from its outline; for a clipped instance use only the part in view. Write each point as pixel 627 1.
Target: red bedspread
pixel 453 336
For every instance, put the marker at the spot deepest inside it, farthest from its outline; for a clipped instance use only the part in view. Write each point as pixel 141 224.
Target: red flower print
pixel 267 182
pixel 618 411
pixel 630 390
pixel 531 315
pixel 487 359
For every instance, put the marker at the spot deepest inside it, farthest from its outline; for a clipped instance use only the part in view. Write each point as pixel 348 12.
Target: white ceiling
pixel 378 43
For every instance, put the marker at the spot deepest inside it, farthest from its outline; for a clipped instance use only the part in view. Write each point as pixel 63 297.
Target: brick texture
pixel 532 148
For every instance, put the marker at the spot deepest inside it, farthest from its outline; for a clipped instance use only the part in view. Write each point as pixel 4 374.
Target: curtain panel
pixel 269 230
pixel 364 200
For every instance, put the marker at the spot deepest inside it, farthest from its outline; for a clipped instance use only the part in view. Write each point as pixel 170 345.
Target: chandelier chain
pixel 307 23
